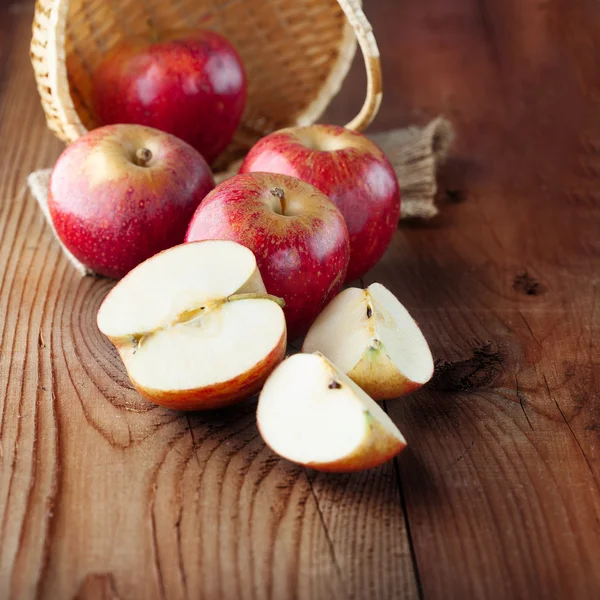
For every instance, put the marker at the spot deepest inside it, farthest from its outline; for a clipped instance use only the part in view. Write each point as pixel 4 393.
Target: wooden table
pixel 497 495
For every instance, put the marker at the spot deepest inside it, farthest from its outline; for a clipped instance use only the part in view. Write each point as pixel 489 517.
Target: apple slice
pixel 195 327
pixel 311 413
pixel 372 338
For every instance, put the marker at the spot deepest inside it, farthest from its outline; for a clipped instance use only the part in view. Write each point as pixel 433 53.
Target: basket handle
pixel 368 45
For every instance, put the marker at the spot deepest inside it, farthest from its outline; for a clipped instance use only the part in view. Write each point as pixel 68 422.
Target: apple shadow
pixel 221 417
pixel 382 488
pixel 417 480
pixel 389 482
pixel 396 485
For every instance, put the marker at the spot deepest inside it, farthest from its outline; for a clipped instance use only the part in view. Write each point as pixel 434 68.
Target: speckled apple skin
pixel 302 257
pixel 352 171
pixel 113 214
pixel 190 84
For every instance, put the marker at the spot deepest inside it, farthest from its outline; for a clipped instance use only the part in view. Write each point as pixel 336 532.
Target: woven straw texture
pixel 296 54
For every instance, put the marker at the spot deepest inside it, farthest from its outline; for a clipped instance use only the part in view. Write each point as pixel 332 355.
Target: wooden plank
pixel 105 496
pixel 501 476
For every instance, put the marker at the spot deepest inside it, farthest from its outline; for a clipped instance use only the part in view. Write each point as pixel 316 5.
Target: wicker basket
pixel 296 53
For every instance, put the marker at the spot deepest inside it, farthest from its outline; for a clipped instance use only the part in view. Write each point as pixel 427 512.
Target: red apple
pixel 298 236
pixel 351 170
pixel 122 193
pixel 191 84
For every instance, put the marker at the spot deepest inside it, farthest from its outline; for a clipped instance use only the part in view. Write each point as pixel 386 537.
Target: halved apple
pixel 372 338
pixel 311 413
pixel 195 327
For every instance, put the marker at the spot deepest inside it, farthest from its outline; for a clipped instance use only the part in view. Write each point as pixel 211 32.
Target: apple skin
pixel 302 254
pixel 113 214
pixel 374 451
pixel 371 453
pixel 220 395
pixel 382 382
pixel 348 168
pixel 188 83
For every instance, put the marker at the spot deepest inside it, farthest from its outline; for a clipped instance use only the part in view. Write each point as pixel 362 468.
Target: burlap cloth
pixel 415 152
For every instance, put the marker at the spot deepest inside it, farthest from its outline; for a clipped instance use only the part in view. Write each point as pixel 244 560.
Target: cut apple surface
pixel 194 326
pixel 372 338
pixel 311 413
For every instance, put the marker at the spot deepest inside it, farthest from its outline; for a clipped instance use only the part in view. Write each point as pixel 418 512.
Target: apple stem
pixel 254 296
pixel 142 157
pixel 280 194
pixel 153 31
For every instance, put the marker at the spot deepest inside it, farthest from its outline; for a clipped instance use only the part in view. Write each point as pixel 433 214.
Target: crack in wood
pixel 409 534
pixel 562 414
pixel 155 557
pixel 187 418
pixel 530 330
pixel 460 456
pixel 332 552
pixel 179 549
pixel 522 402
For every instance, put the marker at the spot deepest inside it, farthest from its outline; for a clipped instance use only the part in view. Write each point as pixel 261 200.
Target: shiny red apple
pixel 191 84
pixel 351 170
pixel 122 193
pixel 297 234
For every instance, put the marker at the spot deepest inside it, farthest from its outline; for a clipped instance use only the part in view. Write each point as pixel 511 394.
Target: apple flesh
pixel 122 193
pixel 194 326
pixel 188 83
pixel 348 168
pixel 297 234
pixel 312 414
pixel 372 338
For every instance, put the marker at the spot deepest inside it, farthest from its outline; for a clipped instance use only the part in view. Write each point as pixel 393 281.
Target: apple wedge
pixel 195 327
pixel 372 338
pixel 312 414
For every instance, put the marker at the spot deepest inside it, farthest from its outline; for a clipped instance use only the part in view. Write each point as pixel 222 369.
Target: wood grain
pixel 498 494
pixel 502 470
pixel 105 496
